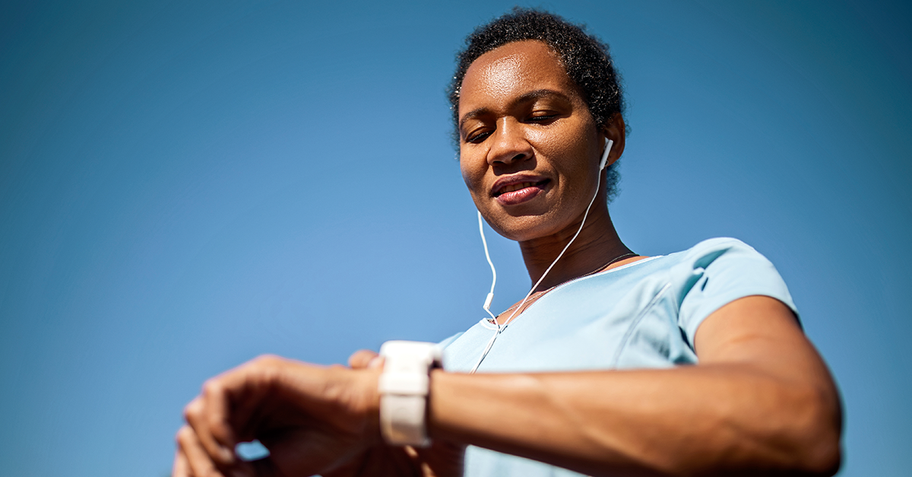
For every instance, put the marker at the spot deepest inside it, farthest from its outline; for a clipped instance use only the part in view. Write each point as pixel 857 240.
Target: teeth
pixel 514 187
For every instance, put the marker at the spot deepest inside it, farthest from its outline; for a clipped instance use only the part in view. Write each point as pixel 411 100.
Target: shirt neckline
pixel 485 322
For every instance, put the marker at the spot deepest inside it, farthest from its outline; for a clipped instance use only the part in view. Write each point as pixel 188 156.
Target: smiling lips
pixel 518 192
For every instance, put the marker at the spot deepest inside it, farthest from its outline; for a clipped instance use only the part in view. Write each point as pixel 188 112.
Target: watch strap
pixel 403 387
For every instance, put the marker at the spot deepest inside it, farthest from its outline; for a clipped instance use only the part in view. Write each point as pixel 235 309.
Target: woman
pixel 615 364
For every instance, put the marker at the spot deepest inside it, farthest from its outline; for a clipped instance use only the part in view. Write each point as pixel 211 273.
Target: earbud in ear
pixel 604 163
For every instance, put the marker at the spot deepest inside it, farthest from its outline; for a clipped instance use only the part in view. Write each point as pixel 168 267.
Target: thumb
pixel 364 358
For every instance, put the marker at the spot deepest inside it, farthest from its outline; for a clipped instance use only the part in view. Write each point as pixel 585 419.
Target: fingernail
pixel 228 455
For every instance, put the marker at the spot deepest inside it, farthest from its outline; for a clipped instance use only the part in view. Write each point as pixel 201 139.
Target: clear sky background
pixel 186 185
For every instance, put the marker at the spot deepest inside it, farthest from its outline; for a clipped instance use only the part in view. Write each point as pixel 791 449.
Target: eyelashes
pixel 478 138
pixel 539 119
pixel 543 119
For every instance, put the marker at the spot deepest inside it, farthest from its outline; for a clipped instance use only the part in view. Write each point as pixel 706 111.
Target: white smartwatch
pixel 403 389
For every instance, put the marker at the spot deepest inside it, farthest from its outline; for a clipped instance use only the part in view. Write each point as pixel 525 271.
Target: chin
pixel 524 228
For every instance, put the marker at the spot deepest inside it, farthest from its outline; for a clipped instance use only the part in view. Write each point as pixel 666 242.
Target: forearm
pixel 712 419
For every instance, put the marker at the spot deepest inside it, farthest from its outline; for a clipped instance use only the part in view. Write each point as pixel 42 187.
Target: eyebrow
pixel 525 97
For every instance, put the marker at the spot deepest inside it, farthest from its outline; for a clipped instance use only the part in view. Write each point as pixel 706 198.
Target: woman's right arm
pixel 760 402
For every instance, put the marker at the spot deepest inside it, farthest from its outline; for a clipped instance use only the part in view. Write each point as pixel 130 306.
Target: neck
pixel 597 245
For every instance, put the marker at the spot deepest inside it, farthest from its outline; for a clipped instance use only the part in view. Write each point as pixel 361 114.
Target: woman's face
pixel 529 148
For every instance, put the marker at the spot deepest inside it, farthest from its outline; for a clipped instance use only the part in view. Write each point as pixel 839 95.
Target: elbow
pixel 822 458
pixel 817 430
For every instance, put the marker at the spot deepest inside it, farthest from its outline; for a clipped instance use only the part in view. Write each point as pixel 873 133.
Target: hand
pixel 313 419
pixel 441 459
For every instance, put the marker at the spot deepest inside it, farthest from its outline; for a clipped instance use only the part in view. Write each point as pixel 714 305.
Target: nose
pixel 509 144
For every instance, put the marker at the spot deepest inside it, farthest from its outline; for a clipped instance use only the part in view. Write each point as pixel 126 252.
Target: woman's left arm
pixel 760 400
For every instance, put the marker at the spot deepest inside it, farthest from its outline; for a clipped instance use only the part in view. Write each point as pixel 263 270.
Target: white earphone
pixel 603 163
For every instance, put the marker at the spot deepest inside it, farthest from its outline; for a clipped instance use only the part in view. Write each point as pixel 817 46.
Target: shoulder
pixel 712 248
pixel 715 253
pixel 718 253
pixel 718 271
pixel 724 258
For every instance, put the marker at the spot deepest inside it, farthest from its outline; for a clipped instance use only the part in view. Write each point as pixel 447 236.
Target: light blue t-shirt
pixel 640 315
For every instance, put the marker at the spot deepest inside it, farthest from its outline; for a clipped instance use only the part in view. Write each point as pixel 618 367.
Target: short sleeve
pixel 719 271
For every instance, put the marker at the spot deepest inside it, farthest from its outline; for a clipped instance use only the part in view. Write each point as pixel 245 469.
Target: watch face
pixel 430 353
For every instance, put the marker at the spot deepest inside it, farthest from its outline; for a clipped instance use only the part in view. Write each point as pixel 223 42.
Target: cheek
pixel 583 142
pixel 470 180
pixel 568 152
pixel 472 176
pixel 466 178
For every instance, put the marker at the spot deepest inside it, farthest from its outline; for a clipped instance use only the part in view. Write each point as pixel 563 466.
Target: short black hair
pixel 585 58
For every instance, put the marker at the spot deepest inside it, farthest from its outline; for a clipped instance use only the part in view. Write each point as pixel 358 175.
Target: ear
pixel 614 129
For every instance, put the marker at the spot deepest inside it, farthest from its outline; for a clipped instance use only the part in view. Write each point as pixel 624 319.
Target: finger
pixel 197 461
pixel 232 405
pixel 203 415
pixel 230 402
pixel 250 396
pixel 181 468
pixel 362 359
pixel 219 403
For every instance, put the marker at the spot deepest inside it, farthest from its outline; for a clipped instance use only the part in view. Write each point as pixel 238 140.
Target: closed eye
pixel 477 137
pixel 543 118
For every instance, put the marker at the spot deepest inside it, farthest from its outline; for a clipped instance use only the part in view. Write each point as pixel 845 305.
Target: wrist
pixel 404 388
pixel 368 381
pixel 347 399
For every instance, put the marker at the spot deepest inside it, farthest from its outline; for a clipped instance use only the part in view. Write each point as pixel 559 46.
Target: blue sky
pixel 186 185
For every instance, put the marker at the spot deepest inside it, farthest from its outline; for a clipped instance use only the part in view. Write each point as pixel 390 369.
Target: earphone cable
pixel 500 328
pixel 490 297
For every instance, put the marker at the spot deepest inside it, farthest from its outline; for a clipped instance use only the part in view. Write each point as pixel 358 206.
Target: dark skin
pixel 526 120
pixel 774 407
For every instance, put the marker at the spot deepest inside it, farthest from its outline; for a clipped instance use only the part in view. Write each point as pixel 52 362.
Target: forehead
pixel 512 70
